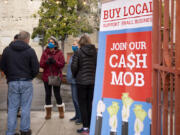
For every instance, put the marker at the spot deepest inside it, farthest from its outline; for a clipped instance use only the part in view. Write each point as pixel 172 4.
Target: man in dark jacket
pixel 83 69
pixel 20 65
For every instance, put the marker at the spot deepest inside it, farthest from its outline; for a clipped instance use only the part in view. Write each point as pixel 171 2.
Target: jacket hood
pixel 89 50
pixel 19 46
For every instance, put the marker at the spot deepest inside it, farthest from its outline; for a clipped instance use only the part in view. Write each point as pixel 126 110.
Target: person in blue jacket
pixel 71 80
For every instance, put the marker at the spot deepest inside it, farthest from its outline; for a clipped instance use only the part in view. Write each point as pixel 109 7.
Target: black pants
pixel 85 97
pixel 48 92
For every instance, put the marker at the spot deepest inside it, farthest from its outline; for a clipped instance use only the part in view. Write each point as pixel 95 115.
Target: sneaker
pixel 85 132
pixel 82 130
pixel 73 119
pixel 78 122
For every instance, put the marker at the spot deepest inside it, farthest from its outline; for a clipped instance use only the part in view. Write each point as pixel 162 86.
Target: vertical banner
pixel 123 75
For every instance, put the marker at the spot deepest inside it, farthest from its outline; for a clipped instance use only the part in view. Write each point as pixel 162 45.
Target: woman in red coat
pixel 52 61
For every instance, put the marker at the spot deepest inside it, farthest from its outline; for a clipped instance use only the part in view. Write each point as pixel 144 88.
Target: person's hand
pixel 52 60
pixel 48 61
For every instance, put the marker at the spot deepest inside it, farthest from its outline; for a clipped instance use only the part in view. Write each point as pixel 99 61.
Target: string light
pixel 57 2
pixel 84 3
pixel 5 1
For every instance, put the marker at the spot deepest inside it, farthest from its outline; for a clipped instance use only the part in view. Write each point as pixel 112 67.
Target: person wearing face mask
pixel 71 80
pixel 52 61
pixel 83 69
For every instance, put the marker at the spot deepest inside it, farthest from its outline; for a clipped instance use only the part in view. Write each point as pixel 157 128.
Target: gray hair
pixel 24 35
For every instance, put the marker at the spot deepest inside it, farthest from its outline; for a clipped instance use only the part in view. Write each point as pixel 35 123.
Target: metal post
pixel 167 63
pixel 166 34
pixel 165 103
pixel 177 78
pixel 161 62
pixel 155 60
pixel 171 76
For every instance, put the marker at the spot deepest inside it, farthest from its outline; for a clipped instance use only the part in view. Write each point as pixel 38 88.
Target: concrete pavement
pixel 40 126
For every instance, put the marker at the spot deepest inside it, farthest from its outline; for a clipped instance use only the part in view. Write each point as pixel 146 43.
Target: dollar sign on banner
pixel 130 59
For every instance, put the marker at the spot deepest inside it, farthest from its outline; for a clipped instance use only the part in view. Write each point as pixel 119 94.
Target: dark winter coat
pixel 55 68
pixel 19 61
pixel 83 65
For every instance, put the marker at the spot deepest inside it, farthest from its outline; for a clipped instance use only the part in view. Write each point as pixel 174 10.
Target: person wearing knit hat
pixel 52 61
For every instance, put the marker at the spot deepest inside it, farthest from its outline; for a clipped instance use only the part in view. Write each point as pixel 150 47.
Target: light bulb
pixel 57 2
pixel 84 3
pixel 5 1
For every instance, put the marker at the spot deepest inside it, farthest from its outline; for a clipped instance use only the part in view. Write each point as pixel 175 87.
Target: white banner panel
pixel 126 14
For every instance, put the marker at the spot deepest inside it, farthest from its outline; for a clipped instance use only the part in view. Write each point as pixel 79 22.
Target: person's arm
pixel 34 64
pixel 43 60
pixel 60 62
pixel 3 65
pixel 74 65
pixel 96 58
pixel 0 62
pixel 69 73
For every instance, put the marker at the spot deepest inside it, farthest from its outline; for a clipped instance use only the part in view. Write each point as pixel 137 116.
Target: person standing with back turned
pixel 83 69
pixel 20 65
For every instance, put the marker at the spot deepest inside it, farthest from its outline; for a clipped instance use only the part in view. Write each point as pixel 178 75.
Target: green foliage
pixel 60 18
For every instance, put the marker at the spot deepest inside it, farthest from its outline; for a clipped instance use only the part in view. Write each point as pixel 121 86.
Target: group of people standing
pixel 20 64
pixel 81 69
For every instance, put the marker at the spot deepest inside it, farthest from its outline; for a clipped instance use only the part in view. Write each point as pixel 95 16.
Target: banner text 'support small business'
pixel 123 75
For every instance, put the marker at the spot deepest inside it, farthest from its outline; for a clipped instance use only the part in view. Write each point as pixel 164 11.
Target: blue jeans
pixel 75 101
pixel 20 94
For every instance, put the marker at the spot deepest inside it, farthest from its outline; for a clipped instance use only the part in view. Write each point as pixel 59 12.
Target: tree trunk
pixel 62 46
pixel 42 47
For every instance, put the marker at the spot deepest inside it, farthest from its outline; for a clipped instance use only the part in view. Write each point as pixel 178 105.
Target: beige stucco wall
pixel 16 15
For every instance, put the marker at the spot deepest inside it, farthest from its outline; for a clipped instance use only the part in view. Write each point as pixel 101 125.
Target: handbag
pixel 54 80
